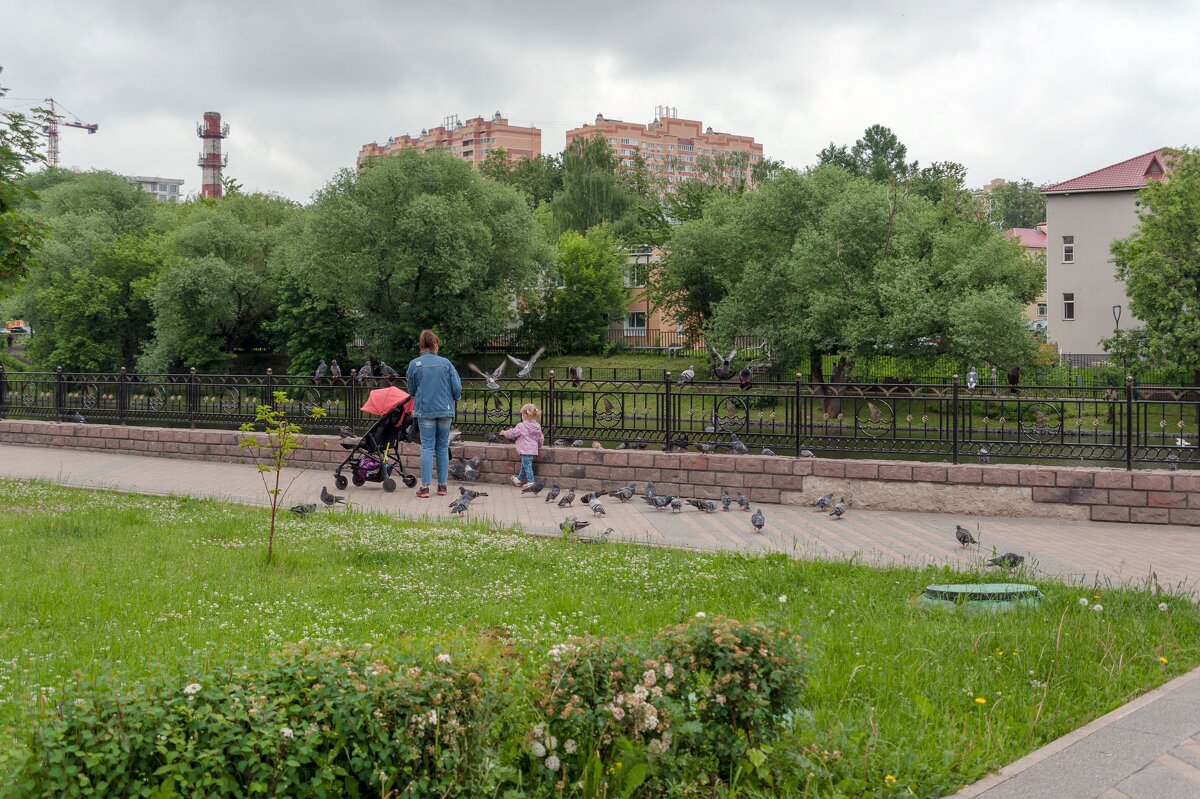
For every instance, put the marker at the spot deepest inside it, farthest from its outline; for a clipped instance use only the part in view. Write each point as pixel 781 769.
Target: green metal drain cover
pixel 981 596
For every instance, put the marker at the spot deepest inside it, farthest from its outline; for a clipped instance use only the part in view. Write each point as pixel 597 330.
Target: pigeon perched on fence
pixel 1014 379
pixel 704 447
pixel 984 455
pixel 366 370
pixel 571 525
pixel 972 378
pixel 526 367
pixel 807 453
pixel 964 536
pixel 737 446
pixel 567 498
pixel 758 520
pixel 676 505
pixel 492 378
pixel 331 499
pixel 78 418
pixel 534 488
pixel 552 494
pixel 1009 560
pixel 335 371
pixel 838 510
pixel 726 500
pixel 823 502
pixel 768 452
pixel 387 371
pixel 687 376
pixel 743 501
pixel 745 377
pixel 596 507
pixel 577 443
pixel 305 509
pixel 321 369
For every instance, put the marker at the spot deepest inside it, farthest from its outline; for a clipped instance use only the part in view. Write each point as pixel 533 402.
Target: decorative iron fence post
pixel 269 399
pixel 796 416
pixel 954 419
pixel 193 395
pixel 60 393
pixel 3 390
pixel 667 412
pixel 351 405
pixel 122 395
pixel 1129 422
pixel 550 406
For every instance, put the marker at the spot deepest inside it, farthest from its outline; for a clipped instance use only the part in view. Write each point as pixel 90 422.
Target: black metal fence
pixel 666 341
pixel 1125 425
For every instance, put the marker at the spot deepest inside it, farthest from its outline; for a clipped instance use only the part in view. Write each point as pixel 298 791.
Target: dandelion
pixel 783 599
pixel 287 732
pixel 1162 660
pixel 1096 608
pixel 889 780
pixel 1162 606
pixel 701 615
pixel 553 763
pixel 192 689
pixel 443 658
pixel 1083 603
pixel 979 700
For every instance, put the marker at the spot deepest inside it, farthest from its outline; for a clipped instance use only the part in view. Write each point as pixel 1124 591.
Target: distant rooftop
pixel 1127 175
pixel 1029 237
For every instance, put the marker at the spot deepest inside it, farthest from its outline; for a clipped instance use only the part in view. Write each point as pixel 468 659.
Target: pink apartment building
pixel 472 140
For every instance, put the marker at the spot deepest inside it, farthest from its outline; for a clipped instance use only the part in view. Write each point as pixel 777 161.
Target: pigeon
pixel 560 442
pixel 768 452
pixel 823 502
pixel 1009 560
pixel 1181 442
pixel 838 510
pixel 331 499
pixel 703 505
pixel 984 455
pixel 745 377
pixel 726 500
pixel 346 432
pixel 366 371
pixel 687 375
pixel 491 438
pixel 461 504
pixel 705 448
pixel 454 437
pixel 1172 462
pixel 526 367
pixel 567 499
pixel 660 502
pixel 387 371
pixel 587 498
pixel 597 508
pixel 552 494
pixel 575 375
pixel 724 369
pixel 577 443
pixel 534 488
pixel 466 492
pixel 678 443
pixel 972 378
pixel 335 371
pixel 1014 378
pixel 571 525
pixel 676 505
pixel 622 445
pixel 964 536
pixel 78 418
pixel 758 520
pixel 649 489
pixel 321 369
pixel 737 446
pixel 637 443
pixel 624 493
pixel 807 453
pixel 464 469
pixel 492 378
pixel 743 501
pixel 305 509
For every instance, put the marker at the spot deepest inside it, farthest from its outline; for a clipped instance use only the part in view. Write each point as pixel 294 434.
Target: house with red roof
pixel 1084 215
pixel 1033 240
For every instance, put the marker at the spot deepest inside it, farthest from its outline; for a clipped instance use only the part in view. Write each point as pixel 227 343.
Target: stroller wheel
pixel 410 480
pixel 389 485
pixel 340 482
pixel 358 481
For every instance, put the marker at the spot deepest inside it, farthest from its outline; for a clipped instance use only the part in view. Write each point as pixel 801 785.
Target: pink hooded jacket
pixel 528 436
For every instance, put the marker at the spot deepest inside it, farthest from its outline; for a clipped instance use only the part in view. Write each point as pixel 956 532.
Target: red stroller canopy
pixel 382 400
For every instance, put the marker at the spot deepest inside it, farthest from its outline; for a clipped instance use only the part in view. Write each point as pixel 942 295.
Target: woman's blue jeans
pixel 435 438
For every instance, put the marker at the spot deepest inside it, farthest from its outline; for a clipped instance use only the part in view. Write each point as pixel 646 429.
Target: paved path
pixel 1147 749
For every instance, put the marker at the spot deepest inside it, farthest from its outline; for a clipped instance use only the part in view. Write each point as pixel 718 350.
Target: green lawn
pixel 97 582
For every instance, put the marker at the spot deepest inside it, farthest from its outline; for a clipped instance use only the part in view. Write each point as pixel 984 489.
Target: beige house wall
pixel 1094 219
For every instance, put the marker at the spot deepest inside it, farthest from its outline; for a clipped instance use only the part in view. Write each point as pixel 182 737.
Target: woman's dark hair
pixel 428 341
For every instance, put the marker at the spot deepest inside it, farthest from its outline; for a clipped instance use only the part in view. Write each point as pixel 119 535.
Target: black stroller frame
pixel 380 445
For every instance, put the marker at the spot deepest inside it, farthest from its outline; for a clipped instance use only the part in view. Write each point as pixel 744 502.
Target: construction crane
pixel 52 131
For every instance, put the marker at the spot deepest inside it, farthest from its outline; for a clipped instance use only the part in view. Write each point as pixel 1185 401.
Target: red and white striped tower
pixel 211 162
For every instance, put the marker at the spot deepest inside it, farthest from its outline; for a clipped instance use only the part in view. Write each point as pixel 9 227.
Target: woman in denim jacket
pixel 435 387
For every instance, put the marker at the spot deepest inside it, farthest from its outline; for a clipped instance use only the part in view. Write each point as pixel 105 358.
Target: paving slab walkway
pixel 1147 748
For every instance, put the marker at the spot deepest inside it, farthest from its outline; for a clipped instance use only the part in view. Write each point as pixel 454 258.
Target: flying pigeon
pixel 676 505
pixel 461 504
pixel 552 494
pixel 335 371
pixel 823 502
pixel 571 525
pixel 490 378
pixel 964 536
pixel 768 452
pixel 984 455
pixel 758 520
pixel 526 367
pixel 743 501
pixel 1009 560
pixel 366 371
pixel 597 508
pixel 387 371
pixel 726 500
pixel 737 446
pixel 724 369
pixel 78 418
pixel 838 510
pixel 321 369
pixel 331 499
pixel 687 375
pixel 567 498
pixel 660 502
pixel 534 488
pixel 972 378
pixel 575 375
pixel 305 509
pixel 1172 462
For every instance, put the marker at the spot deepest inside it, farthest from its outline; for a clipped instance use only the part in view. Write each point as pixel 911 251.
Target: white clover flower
pixel 552 763
pixel 783 599
pixel 1083 603
pixel 701 615
pixel 539 730
pixel 537 749
pixel 433 717
pixel 651 722
pixel 1097 607
pixel 617 711
pixel 649 678
pixel 442 658
pixel 570 747
pixel 668 670
pixel 1163 607
pixel 192 689
pixel 287 732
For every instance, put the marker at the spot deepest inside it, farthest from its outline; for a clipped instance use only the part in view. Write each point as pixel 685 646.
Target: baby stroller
pixel 376 456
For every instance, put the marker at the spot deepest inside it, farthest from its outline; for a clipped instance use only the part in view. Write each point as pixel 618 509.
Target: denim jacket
pixel 434 384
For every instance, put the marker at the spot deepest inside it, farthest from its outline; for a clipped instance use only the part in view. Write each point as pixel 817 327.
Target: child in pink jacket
pixel 529 438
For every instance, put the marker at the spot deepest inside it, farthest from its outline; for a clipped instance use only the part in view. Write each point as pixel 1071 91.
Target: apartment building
pixel 675 150
pixel 167 190
pixel 1084 215
pixel 472 140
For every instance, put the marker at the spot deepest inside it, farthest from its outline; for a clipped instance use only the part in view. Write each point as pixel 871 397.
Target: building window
pixel 1068 307
pixel 1041 310
pixel 1068 249
pixel 174 189
pixel 635 320
pixel 636 275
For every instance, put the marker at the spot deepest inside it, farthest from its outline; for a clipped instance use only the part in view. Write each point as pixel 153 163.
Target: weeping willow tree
pixel 592 192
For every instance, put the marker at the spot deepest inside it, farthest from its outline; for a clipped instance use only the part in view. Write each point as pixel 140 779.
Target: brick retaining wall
pixel 1155 497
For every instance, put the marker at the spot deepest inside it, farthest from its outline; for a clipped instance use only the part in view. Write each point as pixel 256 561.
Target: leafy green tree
pixel 1160 266
pixel 592 193
pixel 20 237
pixel 1017 203
pixel 413 241
pixel 879 155
pixel 539 179
pixel 587 295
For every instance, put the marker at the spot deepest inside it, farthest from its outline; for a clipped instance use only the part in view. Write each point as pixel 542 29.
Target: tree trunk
pixel 829 392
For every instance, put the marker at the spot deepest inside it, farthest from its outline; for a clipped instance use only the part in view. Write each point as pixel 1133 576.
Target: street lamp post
pixel 1117 316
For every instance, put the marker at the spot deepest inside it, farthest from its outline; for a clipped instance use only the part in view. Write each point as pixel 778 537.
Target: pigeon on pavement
pixel 743 501
pixel 567 498
pixel 466 492
pixel 660 502
pixel 305 509
pixel 597 508
pixel 703 505
pixel 964 536
pixel 1009 560
pixel 552 494
pixel 570 525
pixel 534 488
pixel 823 502
pixel 687 375
pixel 758 520
pixel 321 369
pixel 624 493
pixel 461 504
pixel 838 510
pixel 726 500
pixel 490 378
pixel 649 488
pixel 335 371
pixel 526 367
pixel 676 505
pixel 331 499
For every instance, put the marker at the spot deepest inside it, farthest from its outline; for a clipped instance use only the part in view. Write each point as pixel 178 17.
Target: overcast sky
pixel 1045 90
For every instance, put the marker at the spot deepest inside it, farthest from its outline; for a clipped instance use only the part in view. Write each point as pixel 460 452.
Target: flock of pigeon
pixel 364 373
